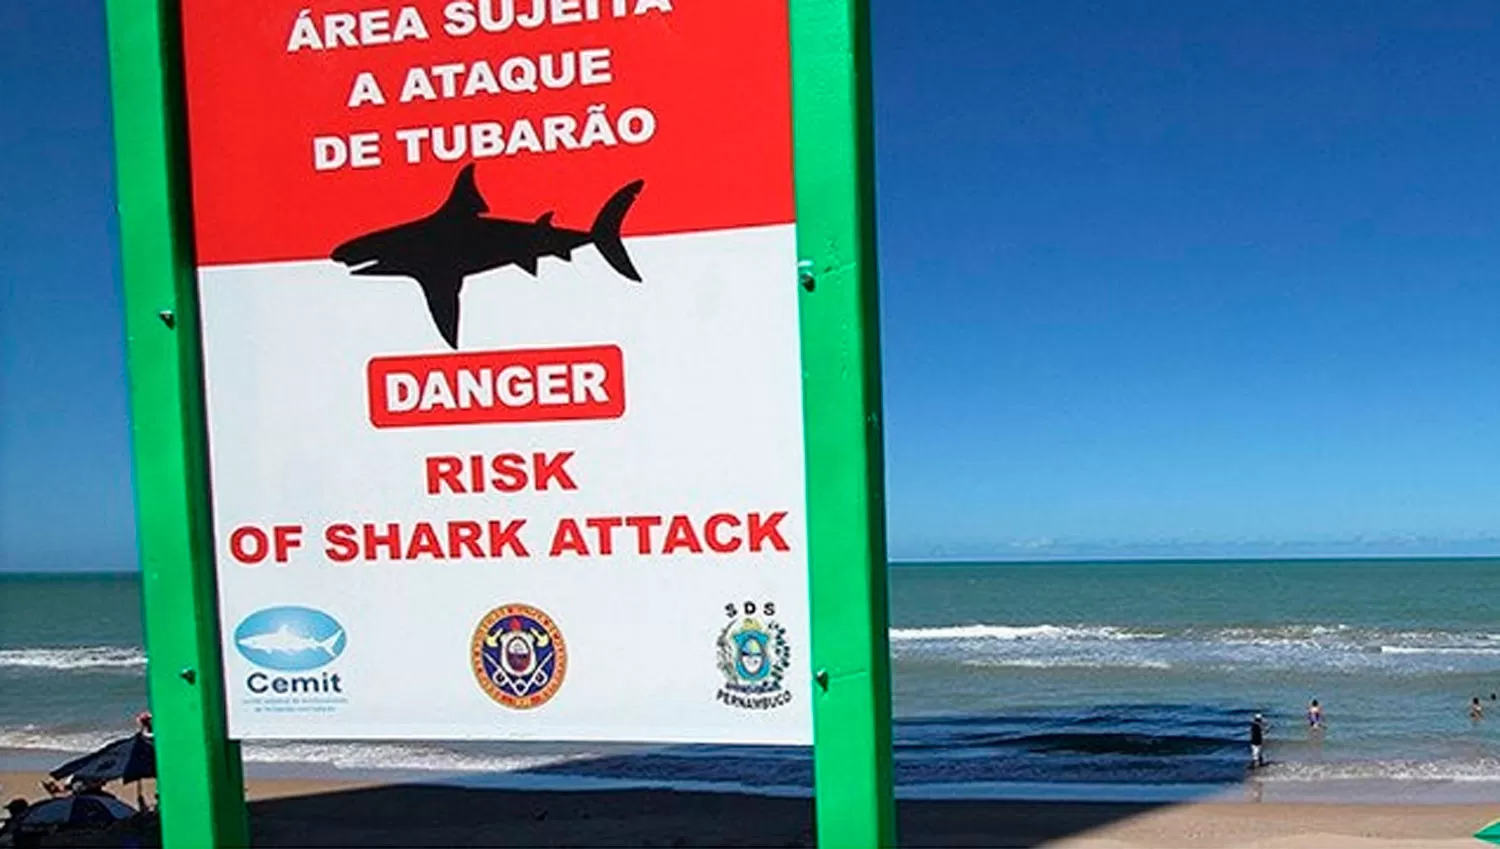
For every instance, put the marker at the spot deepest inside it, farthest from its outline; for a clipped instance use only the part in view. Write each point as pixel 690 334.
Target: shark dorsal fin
pixel 465 198
pixel 544 220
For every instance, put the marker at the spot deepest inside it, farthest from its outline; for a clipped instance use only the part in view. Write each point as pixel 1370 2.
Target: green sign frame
pixel 200 776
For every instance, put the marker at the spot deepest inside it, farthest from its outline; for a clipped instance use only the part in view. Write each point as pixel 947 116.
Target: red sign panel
pixel 312 122
pixel 559 384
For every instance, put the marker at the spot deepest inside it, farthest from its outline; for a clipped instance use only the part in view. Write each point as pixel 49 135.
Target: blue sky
pixel 1207 278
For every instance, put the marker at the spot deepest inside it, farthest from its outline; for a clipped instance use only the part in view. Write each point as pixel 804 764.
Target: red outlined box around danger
pixel 497 387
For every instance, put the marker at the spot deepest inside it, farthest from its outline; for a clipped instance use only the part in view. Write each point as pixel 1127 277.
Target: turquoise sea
pixel 1053 679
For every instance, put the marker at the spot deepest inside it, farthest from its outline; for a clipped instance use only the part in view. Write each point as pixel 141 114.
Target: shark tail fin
pixel 606 230
pixel 328 644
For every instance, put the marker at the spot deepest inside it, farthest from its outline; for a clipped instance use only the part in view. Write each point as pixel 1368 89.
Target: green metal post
pixel 841 400
pixel 199 781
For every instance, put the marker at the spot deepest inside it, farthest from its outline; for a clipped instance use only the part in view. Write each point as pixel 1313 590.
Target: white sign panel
pixel 502 374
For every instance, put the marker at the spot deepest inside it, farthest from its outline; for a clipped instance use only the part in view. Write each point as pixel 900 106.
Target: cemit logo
pixel 290 639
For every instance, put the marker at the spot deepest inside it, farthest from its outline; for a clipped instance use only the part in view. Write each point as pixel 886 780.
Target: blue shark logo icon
pixel 290 639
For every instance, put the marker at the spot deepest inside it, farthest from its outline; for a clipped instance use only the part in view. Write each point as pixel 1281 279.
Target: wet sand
pixel 333 813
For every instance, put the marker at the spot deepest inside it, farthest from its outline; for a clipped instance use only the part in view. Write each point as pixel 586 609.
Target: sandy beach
pixel 337 813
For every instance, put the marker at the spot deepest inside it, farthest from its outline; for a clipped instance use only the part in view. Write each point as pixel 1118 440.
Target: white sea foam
pixel 34 737
pixel 1065 663
pixel 75 658
pixel 1438 650
pixel 416 757
pixel 1467 771
pixel 952 633
pixel 1219 649
pixel 1278 635
pixel 1327 637
pixel 396 756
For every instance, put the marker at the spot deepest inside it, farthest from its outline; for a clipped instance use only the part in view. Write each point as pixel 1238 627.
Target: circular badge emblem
pixel 519 656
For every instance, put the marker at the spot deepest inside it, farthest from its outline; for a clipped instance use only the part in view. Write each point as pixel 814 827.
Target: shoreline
pixel 21 770
pixel 324 812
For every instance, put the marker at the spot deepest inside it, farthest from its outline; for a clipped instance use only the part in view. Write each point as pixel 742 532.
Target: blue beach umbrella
pixel 127 760
pixel 85 809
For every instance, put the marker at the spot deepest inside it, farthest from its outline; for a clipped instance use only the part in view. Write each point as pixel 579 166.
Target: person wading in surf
pixel 1257 741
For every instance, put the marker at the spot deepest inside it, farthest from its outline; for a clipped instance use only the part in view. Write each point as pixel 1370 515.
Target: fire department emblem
pixel 519 656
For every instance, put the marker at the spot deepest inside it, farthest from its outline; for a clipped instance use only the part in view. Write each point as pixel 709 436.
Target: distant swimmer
pixel 1476 710
pixel 1257 741
pixel 1315 716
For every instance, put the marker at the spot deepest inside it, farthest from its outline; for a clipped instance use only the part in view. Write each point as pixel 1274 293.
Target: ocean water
pixel 1096 680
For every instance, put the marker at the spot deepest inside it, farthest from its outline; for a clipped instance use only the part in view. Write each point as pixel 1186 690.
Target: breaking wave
pixel 34 737
pixel 1438 650
pixel 395 756
pixel 417 757
pixel 1486 770
pixel 1322 647
pixel 1326 636
pixel 1016 632
pixel 75 658
pixel 1065 663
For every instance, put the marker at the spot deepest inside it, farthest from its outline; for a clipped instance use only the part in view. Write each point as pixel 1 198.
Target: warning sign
pixel 500 342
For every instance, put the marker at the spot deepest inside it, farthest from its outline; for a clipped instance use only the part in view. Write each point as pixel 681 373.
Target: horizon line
pixel 1179 558
pixel 977 560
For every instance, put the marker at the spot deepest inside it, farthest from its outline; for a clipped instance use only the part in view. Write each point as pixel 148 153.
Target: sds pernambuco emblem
pixel 753 657
pixel 519 656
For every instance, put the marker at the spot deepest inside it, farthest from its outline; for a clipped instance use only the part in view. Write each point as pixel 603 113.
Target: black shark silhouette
pixel 439 251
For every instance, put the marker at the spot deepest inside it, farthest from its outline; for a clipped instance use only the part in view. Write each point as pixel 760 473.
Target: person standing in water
pixel 1257 741
pixel 1476 710
pixel 1315 716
